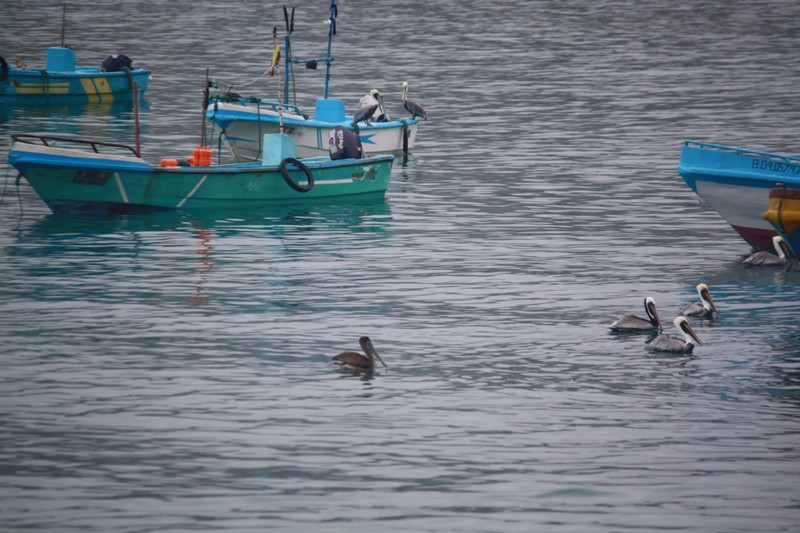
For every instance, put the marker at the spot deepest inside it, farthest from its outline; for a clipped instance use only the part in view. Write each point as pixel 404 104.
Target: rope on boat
pixel 46 85
pixel 780 207
pixel 405 135
pixel 230 86
pixel 260 134
pixel 129 74
pixel 293 184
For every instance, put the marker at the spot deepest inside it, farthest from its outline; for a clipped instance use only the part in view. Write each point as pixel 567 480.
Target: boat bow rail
pixel 51 140
pixel 742 151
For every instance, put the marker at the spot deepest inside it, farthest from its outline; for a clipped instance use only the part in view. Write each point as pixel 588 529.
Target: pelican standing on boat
pixel 763 258
pixel 668 343
pixel 373 98
pixel 411 106
pixel 705 308
pixel 633 323
pixel 359 362
pixel 369 107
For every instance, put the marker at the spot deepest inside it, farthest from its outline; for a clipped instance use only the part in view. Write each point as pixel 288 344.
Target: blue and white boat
pixel 61 81
pixel 736 183
pixel 245 121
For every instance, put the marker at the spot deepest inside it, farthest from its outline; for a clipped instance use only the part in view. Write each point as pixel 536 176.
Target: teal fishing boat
pixel 61 81
pixel 73 175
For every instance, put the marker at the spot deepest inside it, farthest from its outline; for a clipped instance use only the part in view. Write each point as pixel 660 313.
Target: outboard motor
pixel 117 62
pixel 344 144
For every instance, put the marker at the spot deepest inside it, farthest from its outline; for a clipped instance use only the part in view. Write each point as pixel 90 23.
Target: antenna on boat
pixel 63 22
pixel 331 33
pixel 289 66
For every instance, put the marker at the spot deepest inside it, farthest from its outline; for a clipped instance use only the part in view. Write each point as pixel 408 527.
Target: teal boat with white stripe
pixel 74 175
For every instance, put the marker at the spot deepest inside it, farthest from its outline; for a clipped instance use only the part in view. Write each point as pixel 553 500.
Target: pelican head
pixel 705 298
pixel 782 247
pixel 369 349
pixel 689 335
pixel 376 94
pixel 652 314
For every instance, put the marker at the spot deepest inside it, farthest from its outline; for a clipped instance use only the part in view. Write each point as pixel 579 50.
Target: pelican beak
pixel 788 253
pixel 375 353
pixel 687 328
pixel 706 294
pixel 651 307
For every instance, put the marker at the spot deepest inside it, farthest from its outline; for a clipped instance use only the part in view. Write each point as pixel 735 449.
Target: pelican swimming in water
pixel 785 255
pixel 705 308
pixel 411 106
pixel 668 343
pixel 633 323
pixel 357 361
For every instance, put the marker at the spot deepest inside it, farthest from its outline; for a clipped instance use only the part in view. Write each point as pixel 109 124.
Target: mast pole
pixel 63 23
pixel 331 33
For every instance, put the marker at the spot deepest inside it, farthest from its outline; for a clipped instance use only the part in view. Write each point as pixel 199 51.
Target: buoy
pixel 169 162
pixel 201 157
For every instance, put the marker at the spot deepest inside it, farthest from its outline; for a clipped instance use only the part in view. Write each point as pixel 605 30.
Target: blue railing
pixel 741 151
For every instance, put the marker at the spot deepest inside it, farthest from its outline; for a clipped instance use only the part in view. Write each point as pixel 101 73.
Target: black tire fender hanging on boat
pixel 293 184
pixel 3 69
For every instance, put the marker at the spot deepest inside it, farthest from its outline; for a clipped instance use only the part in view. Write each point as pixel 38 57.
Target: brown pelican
pixel 633 323
pixel 703 309
pixel 411 106
pixel 370 105
pixel 668 343
pixel 359 362
pixel 374 98
pixel 785 255
pixel 364 113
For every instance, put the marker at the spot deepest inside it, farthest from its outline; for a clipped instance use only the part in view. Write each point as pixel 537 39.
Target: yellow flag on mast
pixel 276 58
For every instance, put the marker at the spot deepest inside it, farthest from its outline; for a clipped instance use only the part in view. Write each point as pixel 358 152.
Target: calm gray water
pixel 172 372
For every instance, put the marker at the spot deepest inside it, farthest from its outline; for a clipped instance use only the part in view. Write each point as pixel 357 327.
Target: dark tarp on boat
pixel 344 144
pixel 116 62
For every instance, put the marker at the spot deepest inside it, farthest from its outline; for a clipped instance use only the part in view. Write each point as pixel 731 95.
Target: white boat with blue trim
pixel 244 121
pixel 736 183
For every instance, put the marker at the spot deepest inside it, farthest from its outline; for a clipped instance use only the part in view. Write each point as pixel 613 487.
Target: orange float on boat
pixel 201 157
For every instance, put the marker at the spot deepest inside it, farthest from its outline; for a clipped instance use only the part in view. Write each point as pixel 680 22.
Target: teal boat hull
pixel 83 84
pixel 71 180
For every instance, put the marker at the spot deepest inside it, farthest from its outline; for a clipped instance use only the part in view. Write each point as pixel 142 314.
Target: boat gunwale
pixel 689 143
pixel 60 157
pixel 78 72
pixel 239 111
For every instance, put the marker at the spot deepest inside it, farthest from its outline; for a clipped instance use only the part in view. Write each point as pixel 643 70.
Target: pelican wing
pixel 351 360
pixel 632 323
